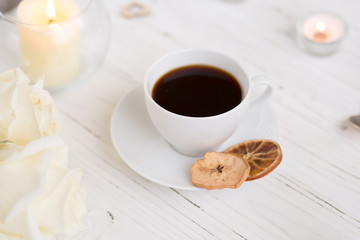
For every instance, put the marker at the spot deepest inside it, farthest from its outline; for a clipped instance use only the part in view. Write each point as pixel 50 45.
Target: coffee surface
pixel 197 91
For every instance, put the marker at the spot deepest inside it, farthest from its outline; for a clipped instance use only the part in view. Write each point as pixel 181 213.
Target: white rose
pixel 27 112
pixel 40 197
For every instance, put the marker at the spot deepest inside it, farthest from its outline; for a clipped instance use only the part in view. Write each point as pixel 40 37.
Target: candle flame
pixel 50 11
pixel 320 27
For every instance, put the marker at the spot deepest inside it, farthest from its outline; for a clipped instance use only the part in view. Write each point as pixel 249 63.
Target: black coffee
pixel 197 91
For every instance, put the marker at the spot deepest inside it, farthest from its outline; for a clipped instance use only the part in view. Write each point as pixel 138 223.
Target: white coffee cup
pixel 195 136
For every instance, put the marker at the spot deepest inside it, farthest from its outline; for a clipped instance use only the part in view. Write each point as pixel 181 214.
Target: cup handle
pixel 257 81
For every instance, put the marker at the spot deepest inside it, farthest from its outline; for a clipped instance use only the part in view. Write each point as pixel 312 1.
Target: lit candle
pixel 321 33
pixel 49 41
pixel 50 11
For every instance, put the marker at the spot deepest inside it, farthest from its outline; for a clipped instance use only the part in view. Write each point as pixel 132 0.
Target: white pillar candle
pixel 321 33
pixel 49 41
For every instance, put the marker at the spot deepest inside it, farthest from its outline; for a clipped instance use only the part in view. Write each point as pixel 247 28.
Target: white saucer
pixel 146 152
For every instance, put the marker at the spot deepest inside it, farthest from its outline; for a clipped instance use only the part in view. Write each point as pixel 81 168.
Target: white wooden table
pixel 313 194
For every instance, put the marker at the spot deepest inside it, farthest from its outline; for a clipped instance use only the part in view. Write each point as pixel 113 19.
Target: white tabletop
pixel 313 194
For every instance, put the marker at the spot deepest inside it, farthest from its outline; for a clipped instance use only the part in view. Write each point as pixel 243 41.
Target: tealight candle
pixel 321 33
pixel 49 41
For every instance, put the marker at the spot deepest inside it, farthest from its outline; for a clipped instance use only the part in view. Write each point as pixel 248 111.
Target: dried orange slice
pixel 219 170
pixel 263 156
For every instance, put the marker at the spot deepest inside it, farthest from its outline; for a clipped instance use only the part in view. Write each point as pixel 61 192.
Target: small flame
pixel 320 27
pixel 50 11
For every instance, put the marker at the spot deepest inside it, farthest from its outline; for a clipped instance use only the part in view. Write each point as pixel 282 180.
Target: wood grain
pixel 315 192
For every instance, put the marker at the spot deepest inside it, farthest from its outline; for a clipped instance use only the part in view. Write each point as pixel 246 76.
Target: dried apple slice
pixel 263 156
pixel 219 170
